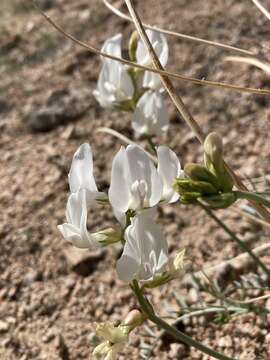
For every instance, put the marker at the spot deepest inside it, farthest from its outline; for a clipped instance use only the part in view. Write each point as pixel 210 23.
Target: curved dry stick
pixel 125 140
pixel 146 68
pixel 179 104
pixel 180 35
pixel 250 61
pixel 261 8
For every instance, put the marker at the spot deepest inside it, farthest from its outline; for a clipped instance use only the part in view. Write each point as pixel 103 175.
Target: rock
pixel 225 342
pixel 61 107
pixel 82 261
pixel 177 351
pixel 3 326
pixel 31 277
pixel 192 297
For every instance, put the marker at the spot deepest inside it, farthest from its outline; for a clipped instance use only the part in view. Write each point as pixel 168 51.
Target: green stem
pixel 151 144
pixel 148 309
pixel 239 242
pixel 252 196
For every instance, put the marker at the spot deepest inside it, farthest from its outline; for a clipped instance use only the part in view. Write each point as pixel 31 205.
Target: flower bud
pixel 178 263
pixel 213 158
pixel 134 319
pixel 132 45
pixel 213 150
pixel 220 201
pixel 200 173
pixel 183 186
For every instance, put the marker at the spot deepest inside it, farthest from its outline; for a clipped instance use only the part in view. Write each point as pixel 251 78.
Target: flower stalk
pixel 147 308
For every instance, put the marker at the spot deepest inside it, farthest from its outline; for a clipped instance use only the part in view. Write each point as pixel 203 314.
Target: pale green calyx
pixel 132 45
pixel 176 271
pixel 108 236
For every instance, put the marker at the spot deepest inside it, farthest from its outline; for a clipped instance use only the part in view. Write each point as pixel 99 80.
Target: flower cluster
pixel 118 85
pixel 210 183
pixel 137 187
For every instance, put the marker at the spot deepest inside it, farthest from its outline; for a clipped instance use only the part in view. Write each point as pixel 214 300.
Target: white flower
pixel 114 341
pixel 169 168
pixel 145 252
pixel 135 182
pixel 81 172
pixel 84 194
pixel 75 230
pixel 150 116
pixel 114 83
pixel 160 45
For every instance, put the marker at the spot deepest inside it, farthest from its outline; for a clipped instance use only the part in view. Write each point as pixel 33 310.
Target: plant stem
pixel 148 310
pixel 252 196
pixel 151 145
pixel 239 242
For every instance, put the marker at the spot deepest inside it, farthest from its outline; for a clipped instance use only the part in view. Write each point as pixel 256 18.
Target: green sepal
pixel 221 201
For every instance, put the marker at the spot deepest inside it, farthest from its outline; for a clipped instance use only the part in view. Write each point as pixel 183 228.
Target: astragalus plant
pixel 144 179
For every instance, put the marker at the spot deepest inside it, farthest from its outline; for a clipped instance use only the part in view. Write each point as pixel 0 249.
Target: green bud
pixel 220 201
pixel 200 173
pixel 213 158
pixel 190 198
pixel 213 150
pixel 132 45
pixel 183 186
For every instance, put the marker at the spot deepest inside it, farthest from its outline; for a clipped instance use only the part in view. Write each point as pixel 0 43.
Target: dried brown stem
pixel 146 68
pixel 226 47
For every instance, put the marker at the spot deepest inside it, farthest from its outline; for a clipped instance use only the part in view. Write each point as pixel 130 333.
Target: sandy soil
pixel 48 307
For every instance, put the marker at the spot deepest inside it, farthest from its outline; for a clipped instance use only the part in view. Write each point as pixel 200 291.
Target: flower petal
pixel 145 252
pixel 119 193
pixel 112 46
pixel 169 168
pixel 75 230
pixel 81 171
pixel 160 46
pixel 142 169
pixel 150 115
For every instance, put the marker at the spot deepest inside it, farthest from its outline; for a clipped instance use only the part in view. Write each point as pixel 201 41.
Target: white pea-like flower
pixel 151 115
pixel 145 252
pixel 160 45
pixel 114 83
pixel 81 172
pixel 84 194
pixel 169 168
pixel 135 182
pixel 75 229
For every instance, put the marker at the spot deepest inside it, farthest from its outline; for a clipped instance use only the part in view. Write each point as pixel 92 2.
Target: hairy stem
pixel 148 310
